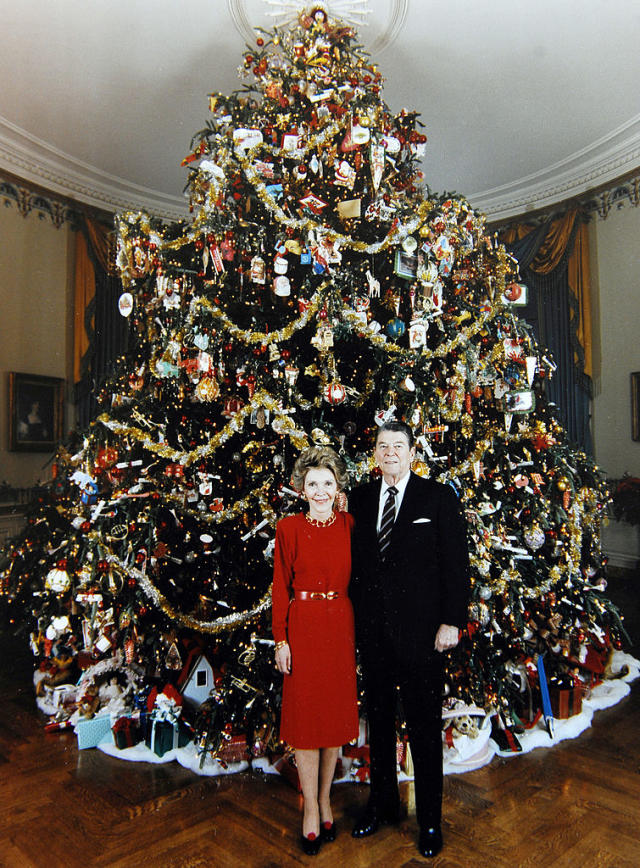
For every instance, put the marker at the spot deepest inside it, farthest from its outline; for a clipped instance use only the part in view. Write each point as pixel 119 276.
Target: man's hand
pixel 446 637
pixel 283 660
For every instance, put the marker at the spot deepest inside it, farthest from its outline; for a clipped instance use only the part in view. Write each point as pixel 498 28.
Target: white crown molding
pixel 34 160
pixel 611 157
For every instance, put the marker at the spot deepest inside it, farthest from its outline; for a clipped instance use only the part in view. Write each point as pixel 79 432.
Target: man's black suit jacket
pixel 424 580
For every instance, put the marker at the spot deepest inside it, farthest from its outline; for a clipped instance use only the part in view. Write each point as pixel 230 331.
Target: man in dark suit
pixel 410 590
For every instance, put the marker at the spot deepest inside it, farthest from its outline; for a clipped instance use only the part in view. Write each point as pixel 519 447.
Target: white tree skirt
pixel 466 754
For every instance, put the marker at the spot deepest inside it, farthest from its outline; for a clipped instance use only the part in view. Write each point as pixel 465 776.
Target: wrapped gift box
pixel 235 750
pixel 286 766
pixel 128 730
pixel 165 735
pixel 565 701
pixel 91 731
pixel 359 757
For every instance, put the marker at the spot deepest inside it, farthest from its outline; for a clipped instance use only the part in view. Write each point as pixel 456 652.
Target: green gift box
pixel 165 735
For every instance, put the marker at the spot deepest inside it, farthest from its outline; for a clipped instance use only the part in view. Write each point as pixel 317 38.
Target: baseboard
pixel 621 559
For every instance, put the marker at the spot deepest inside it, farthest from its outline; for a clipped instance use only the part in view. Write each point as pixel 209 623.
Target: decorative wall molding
pixel 625 193
pixel 607 159
pixel 28 201
pixel 34 160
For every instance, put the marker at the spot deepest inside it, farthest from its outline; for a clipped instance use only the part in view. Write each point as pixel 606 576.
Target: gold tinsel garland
pixel 235 425
pixel 220 625
pixel 254 337
pixel 232 511
pixel 305 224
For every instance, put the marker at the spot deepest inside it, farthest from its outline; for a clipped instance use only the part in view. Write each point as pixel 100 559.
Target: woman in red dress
pixel 314 635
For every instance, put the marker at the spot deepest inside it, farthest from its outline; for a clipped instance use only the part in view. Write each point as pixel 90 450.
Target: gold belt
pixel 317 595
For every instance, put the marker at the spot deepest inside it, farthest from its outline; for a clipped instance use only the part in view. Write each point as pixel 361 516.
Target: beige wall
pixel 36 304
pixel 616 268
pixel 615 246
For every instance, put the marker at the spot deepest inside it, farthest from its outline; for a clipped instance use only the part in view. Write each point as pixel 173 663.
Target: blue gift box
pixel 91 732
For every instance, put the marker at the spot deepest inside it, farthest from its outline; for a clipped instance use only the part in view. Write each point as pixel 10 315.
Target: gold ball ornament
pixel 421 468
pixel 563 483
pixel 207 389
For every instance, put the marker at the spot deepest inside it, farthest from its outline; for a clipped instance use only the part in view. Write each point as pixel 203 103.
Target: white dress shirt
pixel 400 485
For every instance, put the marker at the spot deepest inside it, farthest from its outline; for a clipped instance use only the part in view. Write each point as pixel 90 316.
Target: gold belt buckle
pixel 316 595
pixel 332 595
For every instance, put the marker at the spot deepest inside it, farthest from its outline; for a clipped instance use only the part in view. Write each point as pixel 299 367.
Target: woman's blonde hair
pixel 315 457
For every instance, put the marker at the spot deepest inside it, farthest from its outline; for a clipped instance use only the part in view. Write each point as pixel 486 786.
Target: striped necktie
pixel 388 518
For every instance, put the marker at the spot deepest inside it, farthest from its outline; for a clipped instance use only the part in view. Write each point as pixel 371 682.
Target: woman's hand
pixel 283 659
pixel 447 637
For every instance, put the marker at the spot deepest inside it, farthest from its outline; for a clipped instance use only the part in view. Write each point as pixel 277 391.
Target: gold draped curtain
pixel 550 253
pixel 93 244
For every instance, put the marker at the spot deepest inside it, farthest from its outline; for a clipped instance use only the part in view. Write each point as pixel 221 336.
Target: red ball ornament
pixel 259 41
pixel 102 566
pixel 335 393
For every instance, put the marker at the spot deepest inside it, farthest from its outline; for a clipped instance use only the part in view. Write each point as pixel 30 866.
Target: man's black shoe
pixel 430 842
pixel 371 821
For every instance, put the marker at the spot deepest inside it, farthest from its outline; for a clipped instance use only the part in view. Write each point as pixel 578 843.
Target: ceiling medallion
pixel 354 12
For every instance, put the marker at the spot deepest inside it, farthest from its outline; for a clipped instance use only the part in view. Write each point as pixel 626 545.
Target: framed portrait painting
pixel 35 412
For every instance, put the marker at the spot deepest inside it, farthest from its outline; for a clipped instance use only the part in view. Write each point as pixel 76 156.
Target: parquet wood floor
pixel 577 804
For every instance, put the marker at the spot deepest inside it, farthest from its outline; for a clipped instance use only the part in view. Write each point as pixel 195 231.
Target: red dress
pixel 319 697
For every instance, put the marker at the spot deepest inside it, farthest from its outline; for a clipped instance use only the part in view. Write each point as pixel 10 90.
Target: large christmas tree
pixel 317 288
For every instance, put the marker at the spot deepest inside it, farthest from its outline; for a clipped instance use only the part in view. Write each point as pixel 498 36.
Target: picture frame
pixel 36 412
pixel 406 265
pixel 635 405
pixel 519 401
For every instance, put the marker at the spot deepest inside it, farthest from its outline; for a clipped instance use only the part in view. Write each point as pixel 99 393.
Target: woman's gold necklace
pixel 318 522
